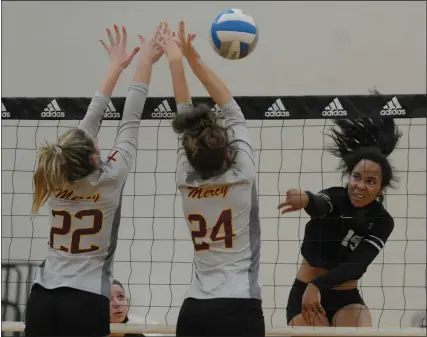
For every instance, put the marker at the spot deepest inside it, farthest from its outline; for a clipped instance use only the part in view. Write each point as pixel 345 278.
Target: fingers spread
pixel 159 42
pixel 170 34
pixel 125 35
pixel 118 38
pixel 304 315
pixel 134 52
pixel 320 309
pixel 105 45
pixel 110 37
pixel 284 203
pixel 318 315
pixel 158 31
pixel 311 316
pixel 181 32
pixel 287 210
pixel 164 28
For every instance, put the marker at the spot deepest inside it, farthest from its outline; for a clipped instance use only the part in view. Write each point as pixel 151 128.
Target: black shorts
pixel 221 317
pixel 66 312
pixel 331 300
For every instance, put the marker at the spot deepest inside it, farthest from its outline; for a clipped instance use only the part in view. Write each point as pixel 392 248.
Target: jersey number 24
pixel 225 220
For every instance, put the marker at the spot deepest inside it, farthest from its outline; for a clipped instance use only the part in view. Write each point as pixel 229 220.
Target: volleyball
pixel 233 34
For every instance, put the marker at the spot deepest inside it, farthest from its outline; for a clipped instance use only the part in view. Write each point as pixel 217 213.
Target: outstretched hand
pixel 185 42
pixel 168 41
pixel 117 51
pixel 295 200
pixel 151 51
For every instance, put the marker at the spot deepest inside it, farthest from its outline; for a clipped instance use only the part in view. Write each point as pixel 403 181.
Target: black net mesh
pixel 154 254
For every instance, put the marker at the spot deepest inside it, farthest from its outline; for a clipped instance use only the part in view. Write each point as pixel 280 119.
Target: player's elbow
pixel 318 205
pixel 356 271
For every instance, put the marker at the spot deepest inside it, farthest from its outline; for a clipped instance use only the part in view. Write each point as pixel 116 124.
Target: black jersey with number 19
pixel 342 238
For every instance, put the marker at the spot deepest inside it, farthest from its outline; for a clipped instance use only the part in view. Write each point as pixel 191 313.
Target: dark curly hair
pixel 204 139
pixel 365 138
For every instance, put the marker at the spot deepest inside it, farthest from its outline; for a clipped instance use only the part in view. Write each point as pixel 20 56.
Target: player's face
pixel 119 305
pixel 364 183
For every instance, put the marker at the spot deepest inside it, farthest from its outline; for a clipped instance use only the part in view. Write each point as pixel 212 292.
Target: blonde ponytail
pixel 61 163
pixel 50 174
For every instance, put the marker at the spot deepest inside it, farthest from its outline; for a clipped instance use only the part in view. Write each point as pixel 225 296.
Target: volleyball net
pixel 154 253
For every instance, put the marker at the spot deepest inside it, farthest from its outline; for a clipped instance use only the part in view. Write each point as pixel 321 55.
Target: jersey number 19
pixel 354 240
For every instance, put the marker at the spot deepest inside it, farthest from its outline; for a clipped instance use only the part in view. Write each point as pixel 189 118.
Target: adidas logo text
pixel 277 110
pixel 218 111
pixel 4 112
pixel 334 109
pixel 163 111
pixel 52 111
pixel 110 112
pixel 53 114
pixel 112 115
pixel 164 114
pixel 393 108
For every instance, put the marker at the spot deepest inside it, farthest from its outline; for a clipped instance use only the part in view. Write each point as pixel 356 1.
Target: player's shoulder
pixel 381 223
pixel 230 178
pixel 107 182
pixel 334 191
pixel 380 213
pixel 109 173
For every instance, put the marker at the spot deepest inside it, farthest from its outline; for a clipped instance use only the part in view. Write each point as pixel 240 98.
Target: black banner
pixel 254 107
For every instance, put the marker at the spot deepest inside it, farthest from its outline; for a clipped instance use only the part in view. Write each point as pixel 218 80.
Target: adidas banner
pixel 262 107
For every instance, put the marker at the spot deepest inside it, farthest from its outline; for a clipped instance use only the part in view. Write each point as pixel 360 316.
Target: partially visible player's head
pixel 119 303
pixel 72 158
pixel 363 146
pixel 205 141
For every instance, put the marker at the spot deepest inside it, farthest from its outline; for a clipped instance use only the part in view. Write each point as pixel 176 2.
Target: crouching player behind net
pixel 216 178
pixel 348 228
pixel 70 295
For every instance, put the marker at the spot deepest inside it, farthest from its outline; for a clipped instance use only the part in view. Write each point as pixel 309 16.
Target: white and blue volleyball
pixel 233 34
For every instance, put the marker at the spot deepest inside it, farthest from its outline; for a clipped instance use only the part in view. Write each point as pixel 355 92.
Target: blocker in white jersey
pixel 216 178
pixel 222 214
pixel 72 288
pixel 85 217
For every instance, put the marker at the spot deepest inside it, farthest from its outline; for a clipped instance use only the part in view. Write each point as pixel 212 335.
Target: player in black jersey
pixel 348 228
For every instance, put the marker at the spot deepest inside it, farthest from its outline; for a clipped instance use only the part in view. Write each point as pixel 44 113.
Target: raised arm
pixel 233 116
pixel 119 60
pixel 121 159
pixel 172 49
pixel 316 205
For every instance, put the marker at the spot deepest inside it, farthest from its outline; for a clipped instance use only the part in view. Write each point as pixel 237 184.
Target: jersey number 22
pixel 67 218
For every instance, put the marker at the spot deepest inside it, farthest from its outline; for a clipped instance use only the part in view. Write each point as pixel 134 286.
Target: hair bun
pixel 198 119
